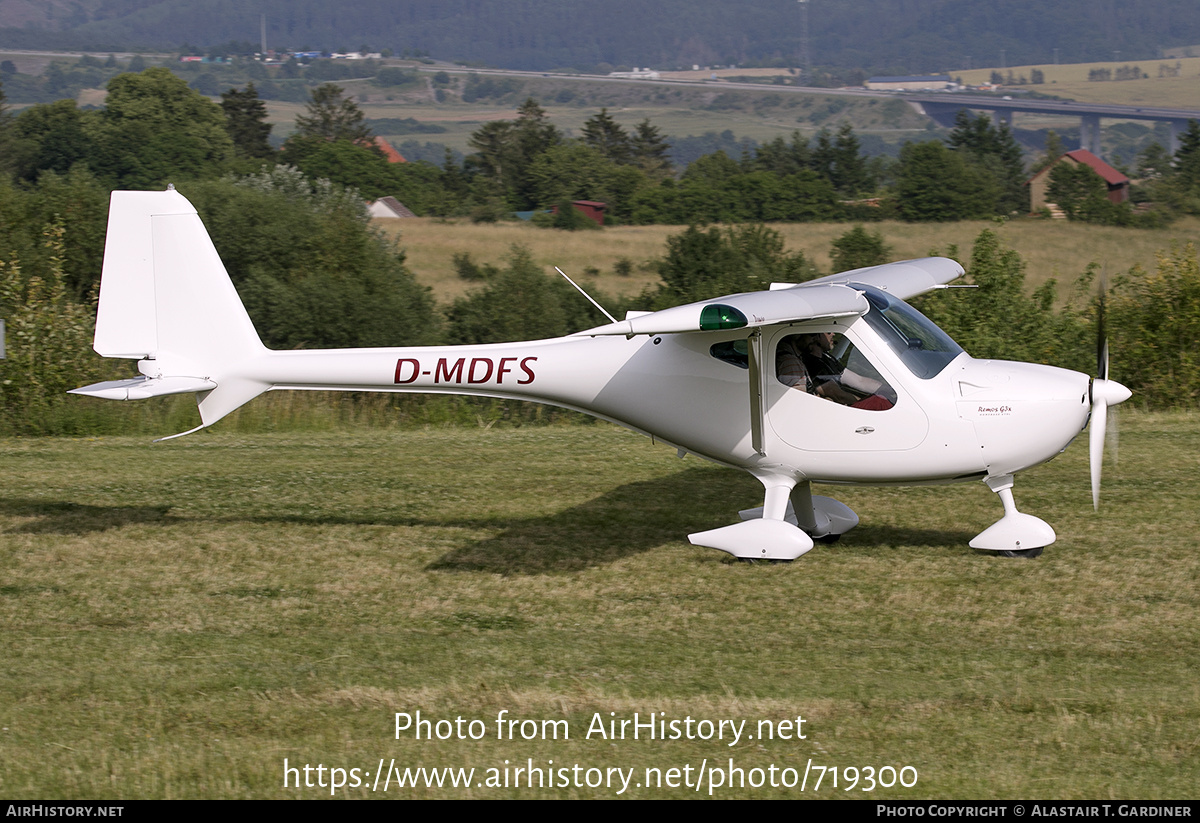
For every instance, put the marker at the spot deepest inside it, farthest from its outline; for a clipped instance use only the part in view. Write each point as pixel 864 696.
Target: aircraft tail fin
pixel 166 300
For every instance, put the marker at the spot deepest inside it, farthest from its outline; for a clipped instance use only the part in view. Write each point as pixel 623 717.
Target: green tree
pixel 330 115
pixel 607 137
pixel 8 138
pixel 53 137
pixel 1082 193
pixel 308 265
pixel 520 302
pixel 934 183
pixel 533 135
pixel 1000 320
pixel 78 203
pixel 1187 158
pixel 996 151
pixel 505 152
pixel 859 248
pixel 1154 320
pixel 706 263
pixel 49 342
pixel 246 122
pixel 838 160
pixel 154 129
pixel 717 190
pixel 651 151
pixel 714 169
pixel 417 185
pixel 1054 150
pixel 782 157
pixel 1153 162
pixel 575 171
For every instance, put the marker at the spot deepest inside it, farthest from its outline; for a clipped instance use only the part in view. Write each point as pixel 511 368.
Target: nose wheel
pixel 1015 534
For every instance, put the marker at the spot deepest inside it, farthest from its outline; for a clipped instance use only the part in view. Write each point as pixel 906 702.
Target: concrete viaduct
pixel 939 106
pixel 942 108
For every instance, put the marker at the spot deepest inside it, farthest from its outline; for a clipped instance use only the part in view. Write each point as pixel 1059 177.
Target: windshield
pixel 923 347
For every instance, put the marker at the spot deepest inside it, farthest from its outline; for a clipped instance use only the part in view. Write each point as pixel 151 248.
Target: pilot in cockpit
pixel 806 362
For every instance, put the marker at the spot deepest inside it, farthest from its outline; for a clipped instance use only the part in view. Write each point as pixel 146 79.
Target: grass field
pixel 1070 80
pixel 180 618
pixel 1051 248
pixel 678 112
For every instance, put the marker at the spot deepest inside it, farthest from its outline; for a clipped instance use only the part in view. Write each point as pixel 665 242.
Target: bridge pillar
pixel 943 114
pixel 1089 133
pixel 1002 117
pixel 1178 127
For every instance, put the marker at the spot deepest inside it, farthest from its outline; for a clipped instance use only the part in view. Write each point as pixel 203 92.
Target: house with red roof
pixel 1118 184
pixel 389 207
pixel 389 151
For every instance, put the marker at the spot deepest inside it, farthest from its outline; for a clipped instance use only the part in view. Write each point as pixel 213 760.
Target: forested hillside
pixel 876 36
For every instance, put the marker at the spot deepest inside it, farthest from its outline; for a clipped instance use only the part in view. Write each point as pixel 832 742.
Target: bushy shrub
pixel 858 248
pixel 311 270
pixel 1154 330
pixel 520 302
pixel 1000 320
pixel 49 345
pixel 705 263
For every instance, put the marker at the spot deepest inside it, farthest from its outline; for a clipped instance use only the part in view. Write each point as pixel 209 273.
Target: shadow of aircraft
pixel 626 521
pixel 64 517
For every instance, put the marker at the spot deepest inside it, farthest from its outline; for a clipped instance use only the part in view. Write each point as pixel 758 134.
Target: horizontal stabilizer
pixel 140 388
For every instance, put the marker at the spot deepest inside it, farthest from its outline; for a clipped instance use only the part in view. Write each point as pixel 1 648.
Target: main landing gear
pixel 786 525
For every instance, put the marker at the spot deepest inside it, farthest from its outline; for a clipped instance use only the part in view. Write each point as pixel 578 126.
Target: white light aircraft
pixel 836 380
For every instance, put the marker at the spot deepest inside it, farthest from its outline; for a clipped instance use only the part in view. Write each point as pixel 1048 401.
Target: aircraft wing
pixel 790 302
pixel 904 279
pixel 742 311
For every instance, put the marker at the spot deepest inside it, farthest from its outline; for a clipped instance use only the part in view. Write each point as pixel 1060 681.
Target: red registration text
pixel 471 371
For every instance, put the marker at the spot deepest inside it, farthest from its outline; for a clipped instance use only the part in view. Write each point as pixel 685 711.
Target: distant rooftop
pixel 917 78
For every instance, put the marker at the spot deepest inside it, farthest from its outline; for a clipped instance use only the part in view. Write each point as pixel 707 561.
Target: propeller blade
pixel 1105 393
pixel 1114 435
pixel 1096 445
pixel 1101 330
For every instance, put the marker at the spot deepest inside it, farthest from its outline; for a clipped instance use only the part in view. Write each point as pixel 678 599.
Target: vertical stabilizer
pixel 166 300
pixel 164 292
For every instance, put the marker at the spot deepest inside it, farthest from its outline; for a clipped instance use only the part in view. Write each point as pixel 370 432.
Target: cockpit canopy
pixel 922 346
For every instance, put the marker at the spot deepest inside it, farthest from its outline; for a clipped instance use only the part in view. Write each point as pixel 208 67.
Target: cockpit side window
pixel 732 351
pixel 828 365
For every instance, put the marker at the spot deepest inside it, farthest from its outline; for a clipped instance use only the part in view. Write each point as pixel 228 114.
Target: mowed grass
pixel 180 618
pixel 1052 249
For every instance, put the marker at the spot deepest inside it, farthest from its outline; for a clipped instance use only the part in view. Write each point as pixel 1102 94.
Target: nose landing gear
pixel 1015 534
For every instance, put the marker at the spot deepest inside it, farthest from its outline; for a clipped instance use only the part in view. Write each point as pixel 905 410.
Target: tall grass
pixel 304 411
pixel 1051 249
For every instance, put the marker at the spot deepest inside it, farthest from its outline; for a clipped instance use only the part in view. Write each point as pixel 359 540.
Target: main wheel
pixel 1028 554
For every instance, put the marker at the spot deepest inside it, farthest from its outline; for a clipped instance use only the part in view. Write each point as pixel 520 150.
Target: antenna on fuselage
pixel 611 319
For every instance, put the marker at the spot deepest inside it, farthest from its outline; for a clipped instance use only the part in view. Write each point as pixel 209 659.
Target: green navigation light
pixel 715 317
